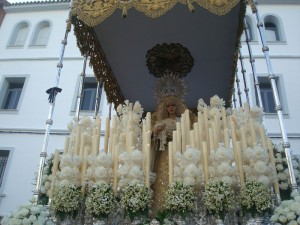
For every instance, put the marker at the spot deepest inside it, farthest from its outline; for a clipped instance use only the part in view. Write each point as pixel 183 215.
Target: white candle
pixel 178 133
pixel 98 123
pixel 148 121
pixel 170 145
pixel 77 140
pixel 200 129
pixel 215 136
pixel 205 112
pixel 84 168
pixel 240 162
pixel 226 138
pixel 263 137
pixel 96 147
pixel 147 169
pixel 175 140
pixel 246 109
pixel 192 138
pixel 107 127
pixel 243 138
pixel 54 169
pixel 66 146
pixel 211 141
pixel 205 161
pixel 82 144
pixel 187 126
pixel 224 119
pixel 253 132
pixel 183 136
pixel 115 168
pixel 196 137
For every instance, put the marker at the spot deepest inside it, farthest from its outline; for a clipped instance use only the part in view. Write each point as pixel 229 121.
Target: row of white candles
pixel 209 133
pixel 206 136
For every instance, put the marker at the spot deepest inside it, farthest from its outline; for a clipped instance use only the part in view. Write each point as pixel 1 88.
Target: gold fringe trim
pixel 93 12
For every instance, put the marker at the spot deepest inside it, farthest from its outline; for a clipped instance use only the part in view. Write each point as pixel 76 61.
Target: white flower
pixel 291 216
pixel 189 180
pixel 136 156
pixel 256 113
pixel 123 157
pixel 264 180
pixel 100 172
pixel 191 171
pixel 274 218
pixel 215 101
pixel 135 172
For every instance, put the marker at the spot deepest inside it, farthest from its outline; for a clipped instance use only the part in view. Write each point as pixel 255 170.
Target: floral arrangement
pixel 66 201
pixel 255 198
pixel 28 214
pixel 186 167
pixel 288 212
pixel 46 181
pixel 135 199
pixel 257 165
pixel 100 169
pixel 218 198
pixel 130 169
pixel 283 171
pixel 100 201
pixel 222 168
pixel 180 198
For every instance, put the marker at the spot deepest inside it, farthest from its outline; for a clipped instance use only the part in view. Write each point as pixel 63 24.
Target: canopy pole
pixel 243 70
pixel 258 98
pixel 278 106
pixel 234 98
pixel 98 94
pixel 237 80
pixel 81 87
pixel 52 97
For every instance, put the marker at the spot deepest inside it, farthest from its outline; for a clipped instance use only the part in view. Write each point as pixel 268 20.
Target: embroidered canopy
pixel 117 34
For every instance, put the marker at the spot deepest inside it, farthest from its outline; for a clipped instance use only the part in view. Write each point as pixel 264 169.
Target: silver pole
pixel 253 67
pixel 52 97
pixel 243 70
pixel 278 107
pixel 98 93
pixel 237 80
pixel 234 98
pixel 81 86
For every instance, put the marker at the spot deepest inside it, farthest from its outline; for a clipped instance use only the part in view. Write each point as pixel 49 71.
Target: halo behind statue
pixel 169 58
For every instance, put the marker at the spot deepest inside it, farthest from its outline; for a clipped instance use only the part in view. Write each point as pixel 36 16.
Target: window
pixel 3 161
pixel 11 91
pixel 249 25
pixel 19 34
pixel 41 34
pixel 273 29
pixel 267 94
pixel 89 94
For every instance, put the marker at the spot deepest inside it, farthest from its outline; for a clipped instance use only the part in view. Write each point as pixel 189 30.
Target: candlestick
pixel 170 149
pixel 205 161
pixel 107 127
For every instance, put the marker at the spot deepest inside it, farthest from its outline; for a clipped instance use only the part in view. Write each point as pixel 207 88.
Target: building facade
pixel 30 45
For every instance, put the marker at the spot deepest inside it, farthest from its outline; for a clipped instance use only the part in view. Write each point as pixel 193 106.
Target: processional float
pixel 116 49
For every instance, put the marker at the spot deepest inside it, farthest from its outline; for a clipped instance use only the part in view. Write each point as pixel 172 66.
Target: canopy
pixel 118 34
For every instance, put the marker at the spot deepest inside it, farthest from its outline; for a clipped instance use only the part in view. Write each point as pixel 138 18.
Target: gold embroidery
pixel 93 12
